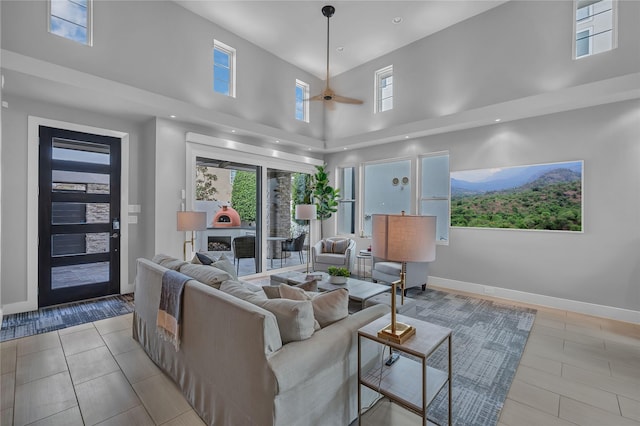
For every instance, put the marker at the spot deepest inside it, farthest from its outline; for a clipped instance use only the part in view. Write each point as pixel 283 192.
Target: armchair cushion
pixel 335 246
pixel 390 268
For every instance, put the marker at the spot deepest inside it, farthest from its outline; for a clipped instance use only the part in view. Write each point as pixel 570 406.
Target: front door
pixel 79 216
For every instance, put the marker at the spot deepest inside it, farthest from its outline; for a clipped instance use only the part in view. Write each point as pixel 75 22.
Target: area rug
pixel 488 340
pixel 61 316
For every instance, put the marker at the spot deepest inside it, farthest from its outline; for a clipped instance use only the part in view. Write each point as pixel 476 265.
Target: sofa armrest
pixel 297 362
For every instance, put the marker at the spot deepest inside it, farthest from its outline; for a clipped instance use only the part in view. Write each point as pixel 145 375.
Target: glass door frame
pixel 198 145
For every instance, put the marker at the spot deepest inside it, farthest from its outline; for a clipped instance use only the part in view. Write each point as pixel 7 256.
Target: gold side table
pixel 401 382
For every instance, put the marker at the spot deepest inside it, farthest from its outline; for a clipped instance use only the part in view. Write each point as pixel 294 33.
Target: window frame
pixel 422 198
pixel 305 100
pixel 593 32
pixel 380 75
pixel 88 27
pixel 231 53
pixel 353 201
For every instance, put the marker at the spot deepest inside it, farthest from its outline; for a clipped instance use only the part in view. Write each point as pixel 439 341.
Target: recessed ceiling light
pixel 233 130
pixel 340 48
pixel 172 116
pixel 309 149
pixel 397 20
pixel 345 148
pixel 277 141
pixel 498 119
pixel 406 137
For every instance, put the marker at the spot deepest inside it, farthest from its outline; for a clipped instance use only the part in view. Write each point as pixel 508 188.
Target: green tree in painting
pixel 243 195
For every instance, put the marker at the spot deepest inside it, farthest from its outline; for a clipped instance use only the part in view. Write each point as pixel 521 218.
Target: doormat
pixel 57 317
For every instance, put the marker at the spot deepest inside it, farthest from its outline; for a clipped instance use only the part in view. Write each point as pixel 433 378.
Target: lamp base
pixel 402 333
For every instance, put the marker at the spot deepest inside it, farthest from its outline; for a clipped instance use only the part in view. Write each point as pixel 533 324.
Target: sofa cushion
pixel 389 268
pixel 205 274
pixel 328 307
pixel 294 317
pixel 338 246
pixel 168 262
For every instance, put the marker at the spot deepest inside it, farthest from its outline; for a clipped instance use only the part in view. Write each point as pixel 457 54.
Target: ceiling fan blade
pixel 345 100
pixel 319 97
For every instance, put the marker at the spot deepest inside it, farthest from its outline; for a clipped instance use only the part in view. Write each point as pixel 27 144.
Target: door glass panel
pixel 85 152
pixel 77 275
pixel 78 213
pixel 71 244
pixel 94 183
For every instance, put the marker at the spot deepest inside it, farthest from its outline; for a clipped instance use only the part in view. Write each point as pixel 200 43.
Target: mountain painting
pixel 541 196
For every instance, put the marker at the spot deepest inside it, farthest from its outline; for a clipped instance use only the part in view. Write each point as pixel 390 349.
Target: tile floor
pixel 575 370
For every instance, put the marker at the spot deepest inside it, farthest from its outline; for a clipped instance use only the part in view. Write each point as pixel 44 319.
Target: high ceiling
pixel 296 31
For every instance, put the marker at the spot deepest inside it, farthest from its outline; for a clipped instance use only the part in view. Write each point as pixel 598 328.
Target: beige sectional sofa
pixel 232 365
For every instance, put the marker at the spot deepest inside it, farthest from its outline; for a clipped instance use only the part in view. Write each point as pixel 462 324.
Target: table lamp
pixel 402 238
pixel 191 221
pixel 306 212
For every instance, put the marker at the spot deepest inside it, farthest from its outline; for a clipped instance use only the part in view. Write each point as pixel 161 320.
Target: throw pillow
pixel 330 306
pixel 295 318
pixel 204 259
pixel 205 274
pixel 293 293
pixel 224 257
pixel 226 266
pixel 272 291
pixel 168 261
pixel 338 246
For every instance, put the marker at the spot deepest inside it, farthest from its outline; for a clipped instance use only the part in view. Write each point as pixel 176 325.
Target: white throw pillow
pixel 295 318
pixel 328 306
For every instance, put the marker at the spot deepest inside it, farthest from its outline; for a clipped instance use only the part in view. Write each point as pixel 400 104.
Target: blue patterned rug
pixel 62 316
pixel 488 340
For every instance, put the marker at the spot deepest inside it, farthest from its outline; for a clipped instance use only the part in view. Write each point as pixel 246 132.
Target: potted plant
pixel 338 274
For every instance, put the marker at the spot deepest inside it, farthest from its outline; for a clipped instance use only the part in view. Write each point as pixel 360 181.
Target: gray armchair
pixel 417 273
pixel 322 259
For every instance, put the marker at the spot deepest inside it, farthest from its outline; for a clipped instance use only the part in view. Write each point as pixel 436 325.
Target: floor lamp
pixel 306 212
pixel 402 238
pixel 191 221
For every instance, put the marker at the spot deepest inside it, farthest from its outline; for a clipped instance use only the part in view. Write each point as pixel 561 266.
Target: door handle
pixel 114 235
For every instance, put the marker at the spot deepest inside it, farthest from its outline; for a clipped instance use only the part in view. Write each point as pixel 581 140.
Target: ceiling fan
pixel 328 96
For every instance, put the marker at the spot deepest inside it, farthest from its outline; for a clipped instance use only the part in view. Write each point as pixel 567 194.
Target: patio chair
pixel 244 248
pixel 293 245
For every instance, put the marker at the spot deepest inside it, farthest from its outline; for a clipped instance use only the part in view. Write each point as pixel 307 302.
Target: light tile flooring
pixel 575 370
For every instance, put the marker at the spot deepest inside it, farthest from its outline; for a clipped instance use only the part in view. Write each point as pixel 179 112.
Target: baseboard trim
pixel 619 314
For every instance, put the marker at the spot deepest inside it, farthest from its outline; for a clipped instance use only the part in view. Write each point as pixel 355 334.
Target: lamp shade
pixel 192 221
pixel 402 238
pixel 306 211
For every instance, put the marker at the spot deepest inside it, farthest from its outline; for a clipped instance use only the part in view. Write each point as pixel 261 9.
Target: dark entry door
pixel 79 223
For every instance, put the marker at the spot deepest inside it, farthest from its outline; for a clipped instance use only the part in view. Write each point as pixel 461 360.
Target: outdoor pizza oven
pixel 226 218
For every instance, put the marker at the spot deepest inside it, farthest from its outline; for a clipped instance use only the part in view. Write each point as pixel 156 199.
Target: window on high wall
pixel 346 215
pixel 384 89
pixel 594 27
pixel 224 69
pixel 387 190
pixel 434 191
pixel 302 101
pixel 71 19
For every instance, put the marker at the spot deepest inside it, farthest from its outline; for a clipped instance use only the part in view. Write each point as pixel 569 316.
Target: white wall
pixel 163 48
pixel 600 266
pixel 15 261
pixel 516 50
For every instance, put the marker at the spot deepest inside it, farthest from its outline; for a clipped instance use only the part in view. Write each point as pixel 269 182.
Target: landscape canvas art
pixel 540 196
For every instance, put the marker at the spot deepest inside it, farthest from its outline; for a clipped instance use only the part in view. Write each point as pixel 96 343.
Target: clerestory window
pixel 71 19
pixel 594 27
pixel 224 69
